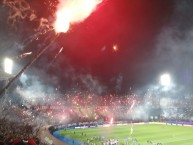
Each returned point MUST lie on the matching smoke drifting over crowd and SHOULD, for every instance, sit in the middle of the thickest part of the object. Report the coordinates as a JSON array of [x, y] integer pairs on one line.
[[81, 68]]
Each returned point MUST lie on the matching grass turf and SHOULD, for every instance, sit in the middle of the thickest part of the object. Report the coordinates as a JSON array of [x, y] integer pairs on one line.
[[165, 134]]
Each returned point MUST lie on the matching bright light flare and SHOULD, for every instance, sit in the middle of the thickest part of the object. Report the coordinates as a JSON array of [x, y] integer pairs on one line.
[[115, 48], [8, 65], [73, 11], [165, 80]]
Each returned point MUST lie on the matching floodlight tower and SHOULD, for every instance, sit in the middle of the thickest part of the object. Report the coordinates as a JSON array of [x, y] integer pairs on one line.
[[165, 80], [8, 65], [5, 76], [165, 83]]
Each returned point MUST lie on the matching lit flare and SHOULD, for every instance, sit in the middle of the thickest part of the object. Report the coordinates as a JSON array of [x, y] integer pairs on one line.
[[73, 11]]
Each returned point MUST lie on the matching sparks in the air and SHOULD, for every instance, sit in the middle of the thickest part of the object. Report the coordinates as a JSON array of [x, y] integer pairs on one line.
[[73, 11], [115, 48], [61, 50], [133, 104]]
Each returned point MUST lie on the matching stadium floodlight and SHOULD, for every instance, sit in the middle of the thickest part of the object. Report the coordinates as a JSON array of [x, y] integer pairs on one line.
[[8, 65], [165, 80]]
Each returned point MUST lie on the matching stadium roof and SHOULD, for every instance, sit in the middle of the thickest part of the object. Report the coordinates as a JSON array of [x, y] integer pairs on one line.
[[4, 76]]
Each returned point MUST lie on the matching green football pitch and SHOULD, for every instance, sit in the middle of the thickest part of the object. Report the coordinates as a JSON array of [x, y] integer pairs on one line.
[[145, 134]]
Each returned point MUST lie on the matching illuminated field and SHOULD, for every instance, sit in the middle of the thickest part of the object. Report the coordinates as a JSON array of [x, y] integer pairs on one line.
[[145, 134]]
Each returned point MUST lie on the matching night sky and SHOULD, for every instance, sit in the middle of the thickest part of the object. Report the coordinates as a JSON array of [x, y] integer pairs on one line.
[[151, 36]]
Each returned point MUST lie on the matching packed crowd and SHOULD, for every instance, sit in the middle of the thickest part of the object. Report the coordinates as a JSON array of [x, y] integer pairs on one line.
[[89, 107], [15, 133], [86, 108]]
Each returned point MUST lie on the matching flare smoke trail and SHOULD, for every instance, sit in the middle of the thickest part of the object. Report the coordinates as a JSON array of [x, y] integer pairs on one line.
[[19, 10]]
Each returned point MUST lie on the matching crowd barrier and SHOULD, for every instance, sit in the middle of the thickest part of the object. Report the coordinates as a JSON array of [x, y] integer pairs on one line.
[[179, 123], [56, 129], [65, 139]]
